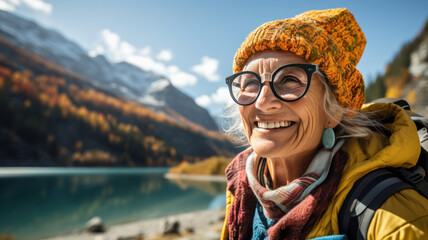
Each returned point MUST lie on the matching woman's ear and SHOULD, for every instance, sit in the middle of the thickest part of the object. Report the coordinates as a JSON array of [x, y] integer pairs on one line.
[[336, 120]]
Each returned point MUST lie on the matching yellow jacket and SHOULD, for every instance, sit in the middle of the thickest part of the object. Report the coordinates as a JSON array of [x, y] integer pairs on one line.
[[404, 215]]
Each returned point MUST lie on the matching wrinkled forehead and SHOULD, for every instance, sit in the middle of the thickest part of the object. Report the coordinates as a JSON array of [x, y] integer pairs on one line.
[[252, 64], [268, 61]]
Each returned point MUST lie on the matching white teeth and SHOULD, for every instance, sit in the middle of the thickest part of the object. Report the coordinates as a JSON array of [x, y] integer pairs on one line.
[[272, 125]]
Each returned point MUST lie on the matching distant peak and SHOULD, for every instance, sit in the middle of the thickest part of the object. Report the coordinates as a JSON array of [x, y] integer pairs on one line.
[[159, 85]]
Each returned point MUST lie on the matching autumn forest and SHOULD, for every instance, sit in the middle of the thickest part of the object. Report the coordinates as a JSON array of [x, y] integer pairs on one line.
[[51, 117]]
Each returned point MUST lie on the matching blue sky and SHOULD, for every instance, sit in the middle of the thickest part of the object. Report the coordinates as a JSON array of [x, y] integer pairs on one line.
[[193, 42]]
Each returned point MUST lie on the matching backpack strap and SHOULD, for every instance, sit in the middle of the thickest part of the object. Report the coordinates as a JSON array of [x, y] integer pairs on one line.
[[365, 197], [421, 182], [417, 175], [402, 103]]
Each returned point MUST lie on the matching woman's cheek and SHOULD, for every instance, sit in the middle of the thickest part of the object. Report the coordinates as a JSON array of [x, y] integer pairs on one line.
[[246, 123]]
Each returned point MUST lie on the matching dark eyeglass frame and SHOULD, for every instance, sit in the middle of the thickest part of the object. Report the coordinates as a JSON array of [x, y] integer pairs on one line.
[[309, 69]]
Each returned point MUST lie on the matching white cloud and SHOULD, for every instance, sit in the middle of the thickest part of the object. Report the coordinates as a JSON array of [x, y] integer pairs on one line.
[[145, 51], [203, 100], [118, 50], [221, 96], [15, 2], [181, 79], [39, 5], [36, 5], [97, 51], [127, 49], [207, 69], [7, 6], [111, 39], [164, 55], [147, 63]]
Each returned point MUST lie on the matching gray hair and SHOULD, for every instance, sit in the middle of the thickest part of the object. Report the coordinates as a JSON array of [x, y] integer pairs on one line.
[[351, 123]]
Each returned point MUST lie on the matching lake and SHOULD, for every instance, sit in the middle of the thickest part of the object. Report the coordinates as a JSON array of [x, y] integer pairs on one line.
[[36, 203]]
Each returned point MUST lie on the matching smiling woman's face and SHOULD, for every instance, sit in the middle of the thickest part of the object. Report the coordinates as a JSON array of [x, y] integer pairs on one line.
[[302, 121]]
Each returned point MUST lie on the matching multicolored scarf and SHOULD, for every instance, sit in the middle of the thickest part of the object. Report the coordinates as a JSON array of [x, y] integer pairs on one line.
[[298, 220], [278, 202]]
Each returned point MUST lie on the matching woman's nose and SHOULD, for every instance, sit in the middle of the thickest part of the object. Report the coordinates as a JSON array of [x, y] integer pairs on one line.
[[267, 99]]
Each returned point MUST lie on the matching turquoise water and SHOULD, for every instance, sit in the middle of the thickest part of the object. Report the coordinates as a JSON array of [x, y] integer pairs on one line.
[[36, 203]]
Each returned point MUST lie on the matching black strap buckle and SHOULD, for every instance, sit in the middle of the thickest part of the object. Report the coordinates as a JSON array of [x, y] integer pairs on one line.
[[412, 175]]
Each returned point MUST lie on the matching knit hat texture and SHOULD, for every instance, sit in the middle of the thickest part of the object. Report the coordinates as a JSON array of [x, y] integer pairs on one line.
[[330, 38]]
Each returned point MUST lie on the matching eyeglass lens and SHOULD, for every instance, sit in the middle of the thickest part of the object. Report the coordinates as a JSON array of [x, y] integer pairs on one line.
[[289, 83]]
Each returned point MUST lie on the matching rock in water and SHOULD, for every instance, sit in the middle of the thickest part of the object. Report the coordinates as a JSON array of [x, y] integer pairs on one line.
[[95, 225]]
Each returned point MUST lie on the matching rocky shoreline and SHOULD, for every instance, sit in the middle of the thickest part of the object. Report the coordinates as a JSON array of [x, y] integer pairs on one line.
[[191, 177], [206, 224]]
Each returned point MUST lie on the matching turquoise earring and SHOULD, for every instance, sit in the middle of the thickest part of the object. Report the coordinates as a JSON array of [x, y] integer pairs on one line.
[[328, 137]]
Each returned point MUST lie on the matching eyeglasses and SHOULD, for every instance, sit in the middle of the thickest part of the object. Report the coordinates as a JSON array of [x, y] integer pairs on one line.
[[289, 83]]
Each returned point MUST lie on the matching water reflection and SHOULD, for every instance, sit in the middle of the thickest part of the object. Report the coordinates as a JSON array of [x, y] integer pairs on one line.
[[213, 188], [41, 206]]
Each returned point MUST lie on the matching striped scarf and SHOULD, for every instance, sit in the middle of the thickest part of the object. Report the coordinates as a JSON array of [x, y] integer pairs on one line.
[[298, 222], [278, 202]]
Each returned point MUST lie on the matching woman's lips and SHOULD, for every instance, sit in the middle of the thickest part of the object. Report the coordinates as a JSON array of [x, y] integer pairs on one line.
[[273, 125]]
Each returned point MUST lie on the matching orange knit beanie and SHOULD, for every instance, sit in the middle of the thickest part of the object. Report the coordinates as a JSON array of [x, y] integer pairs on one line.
[[330, 38]]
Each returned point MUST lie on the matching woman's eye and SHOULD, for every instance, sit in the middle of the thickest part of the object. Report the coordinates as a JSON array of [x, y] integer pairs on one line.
[[290, 79], [236, 84], [287, 84], [250, 85]]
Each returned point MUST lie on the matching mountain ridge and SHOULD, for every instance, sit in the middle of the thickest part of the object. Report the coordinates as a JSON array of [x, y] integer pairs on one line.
[[53, 116], [122, 78], [50, 117], [406, 76]]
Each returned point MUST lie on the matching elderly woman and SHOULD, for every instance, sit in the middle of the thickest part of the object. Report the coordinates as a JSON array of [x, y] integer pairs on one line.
[[299, 97]]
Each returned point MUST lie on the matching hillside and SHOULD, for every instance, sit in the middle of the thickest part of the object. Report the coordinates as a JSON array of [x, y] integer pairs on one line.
[[51, 116], [406, 76], [122, 79]]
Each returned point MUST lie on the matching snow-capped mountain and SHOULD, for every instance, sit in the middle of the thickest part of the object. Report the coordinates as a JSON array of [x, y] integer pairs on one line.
[[121, 78]]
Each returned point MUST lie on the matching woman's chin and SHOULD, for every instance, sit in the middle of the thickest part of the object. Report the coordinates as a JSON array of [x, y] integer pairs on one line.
[[267, 148]]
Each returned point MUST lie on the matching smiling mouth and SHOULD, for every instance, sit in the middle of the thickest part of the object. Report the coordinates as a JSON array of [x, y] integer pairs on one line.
[[273, 125]]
